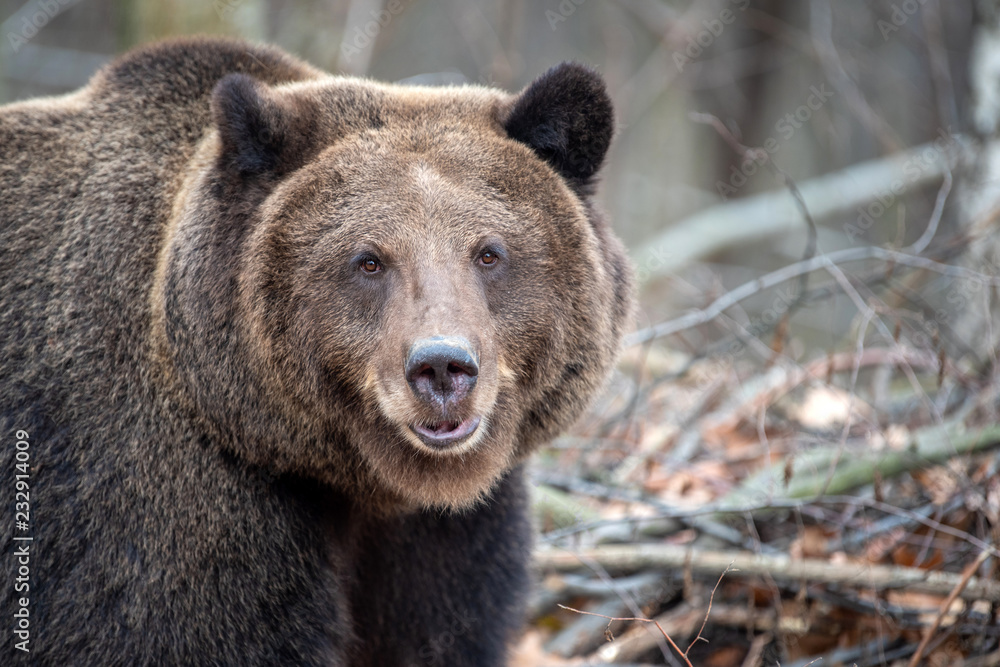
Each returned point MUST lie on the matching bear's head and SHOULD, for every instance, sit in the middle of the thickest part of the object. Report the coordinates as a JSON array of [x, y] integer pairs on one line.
[[398, 290]]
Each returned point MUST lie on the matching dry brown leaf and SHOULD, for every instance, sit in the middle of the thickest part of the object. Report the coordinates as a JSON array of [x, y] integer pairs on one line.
[[878, 548], [930, 605], [811, 543], [906, 555], [657, 436], [617, 509], [693, 487], [939, 482]]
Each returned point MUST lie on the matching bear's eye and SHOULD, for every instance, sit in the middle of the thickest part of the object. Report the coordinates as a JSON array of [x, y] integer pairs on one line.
[[370, 265], [488, 258]]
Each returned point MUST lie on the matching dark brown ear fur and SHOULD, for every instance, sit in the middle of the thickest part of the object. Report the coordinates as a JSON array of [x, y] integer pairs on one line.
[[566, 117], [257, 133]]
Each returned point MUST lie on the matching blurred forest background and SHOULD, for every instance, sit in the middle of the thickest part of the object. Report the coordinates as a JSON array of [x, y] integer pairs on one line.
[[797, 459]]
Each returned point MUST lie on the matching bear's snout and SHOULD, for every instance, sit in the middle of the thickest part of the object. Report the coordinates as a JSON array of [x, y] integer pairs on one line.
[[442, 371]]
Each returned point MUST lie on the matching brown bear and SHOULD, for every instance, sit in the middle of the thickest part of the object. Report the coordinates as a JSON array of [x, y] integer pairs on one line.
[[273, 347]]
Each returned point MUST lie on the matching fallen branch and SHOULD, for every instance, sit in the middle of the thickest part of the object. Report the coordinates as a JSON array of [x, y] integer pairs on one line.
[[776, 212], [813, 477], [636, 557]]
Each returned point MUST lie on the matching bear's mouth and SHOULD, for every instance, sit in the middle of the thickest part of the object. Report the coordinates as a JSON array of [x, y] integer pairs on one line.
[[443, 434]]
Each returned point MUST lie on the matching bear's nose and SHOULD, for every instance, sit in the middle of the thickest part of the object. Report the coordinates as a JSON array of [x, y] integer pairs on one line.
[[441, 369]]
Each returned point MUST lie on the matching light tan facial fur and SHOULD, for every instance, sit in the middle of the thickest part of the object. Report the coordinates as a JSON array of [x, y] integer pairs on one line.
[[470, 236]]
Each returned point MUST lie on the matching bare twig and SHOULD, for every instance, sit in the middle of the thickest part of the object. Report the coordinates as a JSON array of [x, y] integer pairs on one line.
[[755, 655], [892, 522], [955, 592], [612, 619], [684, 618], [684, 654], [821, 16], [762, 156], [748, 289], [921, 244], [708, 611]]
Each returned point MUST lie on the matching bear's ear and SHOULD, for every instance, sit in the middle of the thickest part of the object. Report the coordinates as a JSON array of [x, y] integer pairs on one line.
[[259, 135], [566, 117]]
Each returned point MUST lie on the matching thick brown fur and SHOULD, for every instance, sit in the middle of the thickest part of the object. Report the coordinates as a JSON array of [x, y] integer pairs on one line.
[[224, 463]]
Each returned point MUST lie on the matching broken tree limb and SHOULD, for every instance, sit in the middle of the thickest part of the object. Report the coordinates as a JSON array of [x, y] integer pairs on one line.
[[834, 470], [637, 557]]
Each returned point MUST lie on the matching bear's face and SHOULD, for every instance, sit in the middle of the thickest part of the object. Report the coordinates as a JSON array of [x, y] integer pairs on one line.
[[400, 289]]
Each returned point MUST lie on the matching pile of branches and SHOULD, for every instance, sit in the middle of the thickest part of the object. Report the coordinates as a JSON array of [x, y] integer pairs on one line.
[[737, 500]]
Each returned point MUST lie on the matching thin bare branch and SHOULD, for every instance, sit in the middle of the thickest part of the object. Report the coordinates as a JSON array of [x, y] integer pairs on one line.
[[612, 619], [748, 289], [955, 592]]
